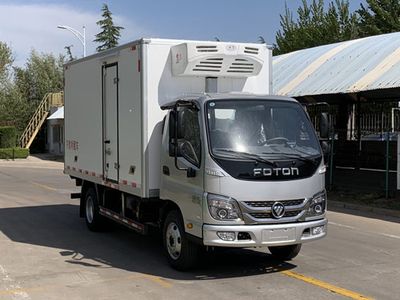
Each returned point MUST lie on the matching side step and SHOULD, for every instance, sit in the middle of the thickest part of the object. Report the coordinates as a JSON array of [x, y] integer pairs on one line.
[[138, 227]]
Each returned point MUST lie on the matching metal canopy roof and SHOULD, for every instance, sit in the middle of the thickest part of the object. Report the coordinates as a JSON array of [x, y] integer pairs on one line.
[[58, 114], [348, 67]]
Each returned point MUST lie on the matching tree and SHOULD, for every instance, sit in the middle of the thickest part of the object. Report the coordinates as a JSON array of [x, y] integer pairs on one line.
[[14, 109], [110, 34], [316, 26], [6, 60], [43, 73], [340, 23], [21, 88], [69, 53], [380, 16]]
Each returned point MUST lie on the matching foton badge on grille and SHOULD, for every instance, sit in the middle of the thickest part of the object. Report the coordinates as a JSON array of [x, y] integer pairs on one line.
[[278, 210]]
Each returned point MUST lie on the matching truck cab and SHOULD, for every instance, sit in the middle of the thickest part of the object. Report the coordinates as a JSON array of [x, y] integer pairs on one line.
[[244, 171]]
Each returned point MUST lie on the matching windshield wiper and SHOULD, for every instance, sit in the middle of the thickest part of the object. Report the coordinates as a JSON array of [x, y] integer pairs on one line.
[[247, 155], [294, 156]]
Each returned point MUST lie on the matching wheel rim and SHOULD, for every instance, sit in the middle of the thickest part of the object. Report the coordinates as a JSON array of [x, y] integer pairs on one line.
[[89, 209], [173, 240]]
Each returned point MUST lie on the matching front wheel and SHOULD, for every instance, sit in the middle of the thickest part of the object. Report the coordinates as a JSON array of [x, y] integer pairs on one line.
[[182, 254], [285, 252]]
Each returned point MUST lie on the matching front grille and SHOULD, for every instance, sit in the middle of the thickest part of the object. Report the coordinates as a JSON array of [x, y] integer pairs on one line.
[[293, 213], [261, 215], [261, 211], [268, 215], [270, 203]]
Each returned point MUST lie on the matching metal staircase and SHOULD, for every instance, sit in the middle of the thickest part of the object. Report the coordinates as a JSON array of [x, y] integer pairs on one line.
[[39, 117]]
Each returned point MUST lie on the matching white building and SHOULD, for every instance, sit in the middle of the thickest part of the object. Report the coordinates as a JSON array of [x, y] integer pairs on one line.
[[55, 131]]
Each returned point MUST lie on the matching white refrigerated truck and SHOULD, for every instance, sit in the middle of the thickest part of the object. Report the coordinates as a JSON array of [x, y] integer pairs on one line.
[[183, 135]]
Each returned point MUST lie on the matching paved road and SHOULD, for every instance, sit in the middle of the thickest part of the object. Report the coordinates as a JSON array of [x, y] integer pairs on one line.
[[46, 252]]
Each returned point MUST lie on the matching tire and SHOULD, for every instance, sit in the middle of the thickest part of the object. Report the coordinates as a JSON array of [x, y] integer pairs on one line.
[[285, 252], [94, 220], [181, 253]]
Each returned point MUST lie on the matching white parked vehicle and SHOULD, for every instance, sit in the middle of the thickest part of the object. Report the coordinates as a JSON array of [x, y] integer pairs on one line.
[[183, 136]]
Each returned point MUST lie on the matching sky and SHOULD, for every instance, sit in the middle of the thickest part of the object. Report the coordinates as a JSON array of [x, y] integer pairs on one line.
[[32, 24]]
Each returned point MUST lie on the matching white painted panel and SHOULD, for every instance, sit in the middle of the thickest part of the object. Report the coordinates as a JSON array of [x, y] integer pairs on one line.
[[83, 116], [130, 119]]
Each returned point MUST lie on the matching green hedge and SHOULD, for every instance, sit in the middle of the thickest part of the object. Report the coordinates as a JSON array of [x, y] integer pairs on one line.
[[8, 136], [10, 153]]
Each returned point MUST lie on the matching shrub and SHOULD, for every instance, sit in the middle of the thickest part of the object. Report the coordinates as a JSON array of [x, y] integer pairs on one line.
[[10, 153], [8, 135]]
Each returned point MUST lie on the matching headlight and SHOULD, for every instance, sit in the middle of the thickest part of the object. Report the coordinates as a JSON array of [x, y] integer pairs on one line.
[[317, 205], [223, 208]]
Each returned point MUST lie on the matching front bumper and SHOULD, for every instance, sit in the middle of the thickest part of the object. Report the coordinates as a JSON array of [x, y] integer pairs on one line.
[[265, 235]]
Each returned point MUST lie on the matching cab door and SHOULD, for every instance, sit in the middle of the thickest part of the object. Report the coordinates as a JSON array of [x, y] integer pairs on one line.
[[182, 178]]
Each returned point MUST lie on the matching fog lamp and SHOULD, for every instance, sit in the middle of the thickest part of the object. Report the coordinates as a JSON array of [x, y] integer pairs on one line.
[[226, 235], [317, 230]]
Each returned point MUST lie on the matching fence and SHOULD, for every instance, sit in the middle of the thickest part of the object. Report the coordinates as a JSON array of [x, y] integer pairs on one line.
[[363, 156]]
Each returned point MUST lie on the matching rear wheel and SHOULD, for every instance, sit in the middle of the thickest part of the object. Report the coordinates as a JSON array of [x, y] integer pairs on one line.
[[182, 254], [285, 252], [94, 220]]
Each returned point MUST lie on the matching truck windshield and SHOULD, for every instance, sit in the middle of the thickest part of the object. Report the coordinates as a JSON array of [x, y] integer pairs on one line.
[[260, 130]]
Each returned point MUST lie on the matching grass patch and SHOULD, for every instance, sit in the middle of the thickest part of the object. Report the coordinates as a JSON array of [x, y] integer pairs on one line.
[[10, 153]]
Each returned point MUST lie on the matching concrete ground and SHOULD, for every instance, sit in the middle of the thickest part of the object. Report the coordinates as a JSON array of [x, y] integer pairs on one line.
[[46, 252]]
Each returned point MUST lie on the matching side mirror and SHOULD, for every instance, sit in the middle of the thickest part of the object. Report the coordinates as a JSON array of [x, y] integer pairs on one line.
[[176, 133], [172, 126], [324, 126], [326, 148], [187, 151]]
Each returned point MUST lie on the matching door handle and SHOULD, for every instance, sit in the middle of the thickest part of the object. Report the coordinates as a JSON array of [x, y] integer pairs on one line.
[[165, 170], [107, 142]]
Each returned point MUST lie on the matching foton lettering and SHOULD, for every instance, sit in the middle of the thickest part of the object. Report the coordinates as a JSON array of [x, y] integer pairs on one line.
[[257, 172]]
